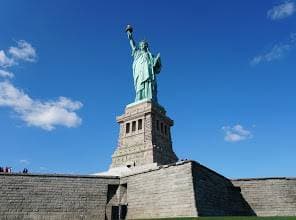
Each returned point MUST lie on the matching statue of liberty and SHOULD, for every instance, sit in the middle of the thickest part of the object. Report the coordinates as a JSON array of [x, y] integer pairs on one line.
[[145, 68]]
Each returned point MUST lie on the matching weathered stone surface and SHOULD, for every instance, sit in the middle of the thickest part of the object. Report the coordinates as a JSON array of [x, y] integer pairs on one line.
[[190, 189], [180, 189], [215, 195], [269, 196], [53, 196], [165, 191], [144, 136]]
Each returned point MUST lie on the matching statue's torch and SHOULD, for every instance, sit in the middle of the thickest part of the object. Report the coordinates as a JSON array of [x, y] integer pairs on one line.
[[129, 31]]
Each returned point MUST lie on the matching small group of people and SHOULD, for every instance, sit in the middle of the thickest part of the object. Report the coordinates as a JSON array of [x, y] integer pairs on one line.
[[9, 170], [5, 169]]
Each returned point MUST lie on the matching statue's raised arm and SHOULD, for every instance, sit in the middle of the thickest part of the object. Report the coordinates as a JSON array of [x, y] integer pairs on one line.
[[129, 31]]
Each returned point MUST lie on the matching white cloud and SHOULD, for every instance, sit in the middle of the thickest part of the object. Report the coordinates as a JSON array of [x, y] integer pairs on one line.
[[6, 74], [236, 133], [46, 115], [24, 162], [24, 51], [281, 11], [5, 61], [276, 52]]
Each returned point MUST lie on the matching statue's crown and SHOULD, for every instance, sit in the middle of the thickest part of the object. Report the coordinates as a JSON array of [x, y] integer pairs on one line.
[[144, 42]]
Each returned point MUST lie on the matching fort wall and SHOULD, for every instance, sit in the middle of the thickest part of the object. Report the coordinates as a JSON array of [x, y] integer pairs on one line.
[[269, 196], [181, 189], [161, 192], [27, 196], [215, 195], [191, 189]]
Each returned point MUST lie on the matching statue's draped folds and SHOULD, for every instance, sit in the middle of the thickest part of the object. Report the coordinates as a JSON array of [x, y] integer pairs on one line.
[[145, 66]]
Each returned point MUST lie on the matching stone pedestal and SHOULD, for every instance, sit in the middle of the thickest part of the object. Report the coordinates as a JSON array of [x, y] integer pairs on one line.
[[144, 137]]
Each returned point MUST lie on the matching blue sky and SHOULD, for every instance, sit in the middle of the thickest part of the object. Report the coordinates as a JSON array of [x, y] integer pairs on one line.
[[228, 81]]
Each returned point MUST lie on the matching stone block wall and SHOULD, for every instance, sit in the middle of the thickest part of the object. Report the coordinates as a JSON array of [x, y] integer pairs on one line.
[[182, 189], [162, 192], [28, 196], [215, 195], [269, 196]]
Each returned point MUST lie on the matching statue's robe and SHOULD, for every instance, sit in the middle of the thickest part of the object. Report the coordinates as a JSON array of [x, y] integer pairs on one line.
[[145, 66]]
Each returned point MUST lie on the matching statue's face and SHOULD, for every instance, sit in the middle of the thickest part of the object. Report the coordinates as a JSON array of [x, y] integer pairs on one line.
[[143, 46]]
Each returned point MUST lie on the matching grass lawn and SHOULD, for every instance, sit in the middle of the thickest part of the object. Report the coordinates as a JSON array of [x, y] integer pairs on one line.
[[229, 218]]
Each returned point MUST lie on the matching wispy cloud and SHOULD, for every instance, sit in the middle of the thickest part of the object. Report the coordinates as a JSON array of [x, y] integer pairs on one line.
[[43, 114], [236, 133], [6, 74], [23, 51], [276, 52], [5, 61], [281, 11], [46, 115]]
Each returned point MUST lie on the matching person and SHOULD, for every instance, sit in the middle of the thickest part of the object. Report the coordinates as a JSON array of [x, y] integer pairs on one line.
[[145, 67], [1, 170], [25, 170]]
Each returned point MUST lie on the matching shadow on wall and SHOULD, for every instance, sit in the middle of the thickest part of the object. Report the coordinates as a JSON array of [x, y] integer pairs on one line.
[[215, 195], [116, 207]]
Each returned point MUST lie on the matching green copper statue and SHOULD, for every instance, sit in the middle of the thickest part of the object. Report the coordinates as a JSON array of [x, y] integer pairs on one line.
[[145, 68]]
